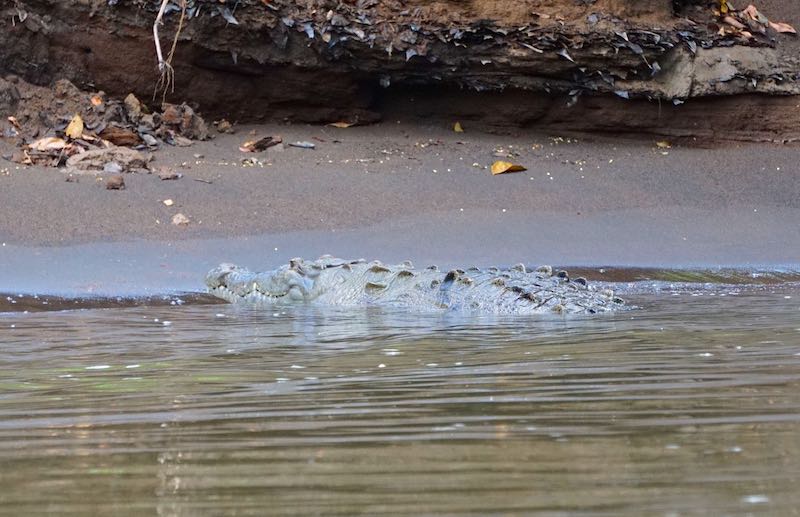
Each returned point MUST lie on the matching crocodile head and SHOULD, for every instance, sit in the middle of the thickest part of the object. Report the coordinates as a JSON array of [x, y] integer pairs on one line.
[[234, 283]]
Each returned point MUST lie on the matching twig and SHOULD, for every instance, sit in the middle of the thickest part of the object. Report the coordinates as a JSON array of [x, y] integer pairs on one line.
[[203, 181]]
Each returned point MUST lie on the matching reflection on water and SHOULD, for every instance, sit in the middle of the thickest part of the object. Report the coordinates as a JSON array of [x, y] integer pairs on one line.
[[688, 406]]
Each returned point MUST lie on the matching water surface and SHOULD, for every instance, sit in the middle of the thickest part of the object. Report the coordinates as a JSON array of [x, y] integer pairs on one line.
[[688, 406]]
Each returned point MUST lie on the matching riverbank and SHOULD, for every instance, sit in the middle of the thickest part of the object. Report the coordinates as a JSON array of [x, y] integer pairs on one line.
[[398, 191]]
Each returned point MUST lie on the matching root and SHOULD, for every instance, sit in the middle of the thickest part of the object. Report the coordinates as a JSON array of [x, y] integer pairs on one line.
[[166, 81]]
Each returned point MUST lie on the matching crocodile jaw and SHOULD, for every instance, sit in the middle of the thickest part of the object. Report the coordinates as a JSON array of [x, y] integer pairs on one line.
[[237, 284]]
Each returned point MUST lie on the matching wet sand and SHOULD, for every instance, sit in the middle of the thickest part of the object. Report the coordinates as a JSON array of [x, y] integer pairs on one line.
[[395, 191]]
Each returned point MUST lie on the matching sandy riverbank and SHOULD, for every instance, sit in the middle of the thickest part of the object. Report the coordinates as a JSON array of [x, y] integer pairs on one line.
[[396, 191]]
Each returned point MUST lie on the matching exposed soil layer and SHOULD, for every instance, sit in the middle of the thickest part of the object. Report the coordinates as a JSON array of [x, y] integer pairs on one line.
[[606, 65]]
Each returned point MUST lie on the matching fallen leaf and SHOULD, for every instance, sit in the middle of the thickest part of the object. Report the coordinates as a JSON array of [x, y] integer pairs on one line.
[[75, 128], [262, 144], [783, 27], [457, 127], [733, 22], [120, 136], [663, 144], [753, 12], [341, 124], [50, 143], [501, 167], [96, 100]]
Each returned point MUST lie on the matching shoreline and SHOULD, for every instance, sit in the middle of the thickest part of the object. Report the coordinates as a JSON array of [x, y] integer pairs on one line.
[[396, 191]]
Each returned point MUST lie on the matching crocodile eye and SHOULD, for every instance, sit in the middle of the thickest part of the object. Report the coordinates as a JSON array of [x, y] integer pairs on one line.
[[374, 286]]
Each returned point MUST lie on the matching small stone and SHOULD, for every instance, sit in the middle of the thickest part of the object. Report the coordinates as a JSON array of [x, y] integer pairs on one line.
[[165, 173], [181, 141], [133, 107], [116, 182], [150, 140], [168, 202], [180, 220], [112, 168], [223, 126], [171, 115]]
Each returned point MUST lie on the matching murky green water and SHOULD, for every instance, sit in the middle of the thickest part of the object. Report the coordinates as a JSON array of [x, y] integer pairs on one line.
[[690, 406]]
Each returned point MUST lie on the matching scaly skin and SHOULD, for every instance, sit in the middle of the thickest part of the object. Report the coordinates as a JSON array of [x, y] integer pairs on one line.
[[332, 281]]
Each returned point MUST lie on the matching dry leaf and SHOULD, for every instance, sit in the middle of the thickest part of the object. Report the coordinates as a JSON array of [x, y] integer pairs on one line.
[[50, 143], [341, 124], [663, 144], [501, 167], [262, 144], [96, 100], [457, 128], [783, 27], [75, 128], [733, 22], [753, 12]]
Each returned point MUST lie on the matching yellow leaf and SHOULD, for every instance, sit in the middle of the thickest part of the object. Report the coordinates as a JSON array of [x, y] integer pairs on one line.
[[457, 128], [500, 167], [723, 6], [75, 128], [341, 124], [663, 144]]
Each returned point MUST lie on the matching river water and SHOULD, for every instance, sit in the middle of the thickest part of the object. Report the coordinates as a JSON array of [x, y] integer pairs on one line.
[[689, 405]]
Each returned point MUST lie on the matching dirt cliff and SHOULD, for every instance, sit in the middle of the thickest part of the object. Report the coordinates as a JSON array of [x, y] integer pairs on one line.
[[657, 66]]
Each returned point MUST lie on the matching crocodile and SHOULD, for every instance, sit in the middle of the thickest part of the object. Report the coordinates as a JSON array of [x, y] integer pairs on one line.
[[332, 281]]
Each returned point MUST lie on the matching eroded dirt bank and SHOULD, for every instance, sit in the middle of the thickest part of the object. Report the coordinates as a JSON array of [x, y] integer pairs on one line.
[[609, 65]]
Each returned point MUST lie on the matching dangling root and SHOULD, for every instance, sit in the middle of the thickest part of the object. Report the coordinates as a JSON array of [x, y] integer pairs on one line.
[[166, 82]]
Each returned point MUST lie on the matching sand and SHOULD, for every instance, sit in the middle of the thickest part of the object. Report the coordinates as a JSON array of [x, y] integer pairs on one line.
[[399, 190]]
